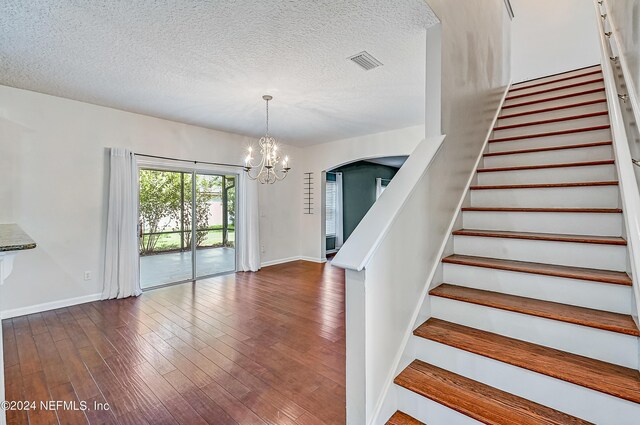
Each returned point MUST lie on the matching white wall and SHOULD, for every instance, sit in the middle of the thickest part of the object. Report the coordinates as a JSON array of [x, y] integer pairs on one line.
[[321, 157], [552, 36], [626, 21], [53, 182]]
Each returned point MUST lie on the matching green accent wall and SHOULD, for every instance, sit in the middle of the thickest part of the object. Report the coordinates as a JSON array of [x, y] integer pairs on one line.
[[359, 192]]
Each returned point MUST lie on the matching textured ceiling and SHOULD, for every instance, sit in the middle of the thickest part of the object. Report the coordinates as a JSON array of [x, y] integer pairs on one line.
[[209, 62]]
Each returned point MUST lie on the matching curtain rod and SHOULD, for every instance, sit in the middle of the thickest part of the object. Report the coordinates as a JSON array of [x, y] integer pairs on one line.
[[188, 160]]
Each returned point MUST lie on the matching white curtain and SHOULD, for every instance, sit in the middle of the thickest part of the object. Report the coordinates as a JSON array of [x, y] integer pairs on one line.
[[339, 212], [248, 227], [121, 270]]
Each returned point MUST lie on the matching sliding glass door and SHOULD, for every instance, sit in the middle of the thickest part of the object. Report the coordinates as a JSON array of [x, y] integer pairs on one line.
[[215, 235], [176, 244]]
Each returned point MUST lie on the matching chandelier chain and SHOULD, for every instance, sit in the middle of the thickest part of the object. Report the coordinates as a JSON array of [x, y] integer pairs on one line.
[[267, 118]]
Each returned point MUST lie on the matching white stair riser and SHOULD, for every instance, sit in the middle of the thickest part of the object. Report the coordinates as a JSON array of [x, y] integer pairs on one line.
[[557, 93], [551, 141], [557, 84], [592, 173], [596, 153], [560, 113], [551, 78], [582, 293], [553, 126], [552, 103], [428, 411], [596, 256], [612, 347], [555, 197], [595, 224], [576, 400]]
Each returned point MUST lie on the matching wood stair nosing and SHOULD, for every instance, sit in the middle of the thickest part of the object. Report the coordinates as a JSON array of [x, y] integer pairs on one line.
[[586, 74], [608, 378], [401, 418], [597, 319], [551, 148], [551, 121], [551, 237], [553, 108], [546, 210], [567, 272], [551, 133], [543, 166], [568, 86], [544, 185], [479, 401], [551, 99]]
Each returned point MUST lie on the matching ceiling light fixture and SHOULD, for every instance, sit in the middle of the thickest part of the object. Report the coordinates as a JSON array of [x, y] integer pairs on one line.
[[266, 173]]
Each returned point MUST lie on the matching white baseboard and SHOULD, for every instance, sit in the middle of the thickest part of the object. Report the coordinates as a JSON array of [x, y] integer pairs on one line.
[[290, 259], [279, 261], [314, 260], [38, 308]]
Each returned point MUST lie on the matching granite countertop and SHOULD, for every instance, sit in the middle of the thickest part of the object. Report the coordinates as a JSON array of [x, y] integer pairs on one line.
[[13, 238]]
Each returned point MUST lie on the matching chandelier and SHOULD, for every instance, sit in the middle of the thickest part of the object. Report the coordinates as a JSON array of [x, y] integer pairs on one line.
[[266, 171]]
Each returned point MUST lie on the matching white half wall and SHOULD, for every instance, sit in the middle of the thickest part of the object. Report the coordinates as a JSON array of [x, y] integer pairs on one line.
[[54, 177], [552, 36]]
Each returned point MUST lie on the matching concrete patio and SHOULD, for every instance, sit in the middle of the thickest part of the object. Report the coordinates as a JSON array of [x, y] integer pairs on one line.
[[172, 267]]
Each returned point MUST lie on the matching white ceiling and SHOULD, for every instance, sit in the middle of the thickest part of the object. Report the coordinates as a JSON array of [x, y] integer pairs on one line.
[[209, 62]]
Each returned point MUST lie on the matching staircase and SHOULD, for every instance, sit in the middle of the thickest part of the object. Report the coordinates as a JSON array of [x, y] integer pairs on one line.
[[532, 321]]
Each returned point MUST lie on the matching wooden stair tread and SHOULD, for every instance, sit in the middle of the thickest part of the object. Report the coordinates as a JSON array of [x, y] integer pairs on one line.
[[551, 121], [586, 74], [618, 381], [554, 237], [551, 99], [547, 210], [544, 185], [553, 108], [551, 148], [551, 133], [400, 418], [569, 272], [543, 166], [598, 319], [479, 401], [543, 91]]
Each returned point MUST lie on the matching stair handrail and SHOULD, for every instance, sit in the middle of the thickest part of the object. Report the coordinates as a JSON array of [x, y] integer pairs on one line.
[[630, 193]]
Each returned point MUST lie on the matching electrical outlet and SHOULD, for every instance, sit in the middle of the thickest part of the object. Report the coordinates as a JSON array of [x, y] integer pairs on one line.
[[262, 250], [87, 275]]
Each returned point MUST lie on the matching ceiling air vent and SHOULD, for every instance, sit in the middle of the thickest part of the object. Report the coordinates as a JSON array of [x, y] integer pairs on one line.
[[365, 61]]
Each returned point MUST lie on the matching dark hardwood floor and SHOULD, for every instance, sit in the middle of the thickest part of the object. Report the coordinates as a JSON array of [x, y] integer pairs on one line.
[[263, 348]]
